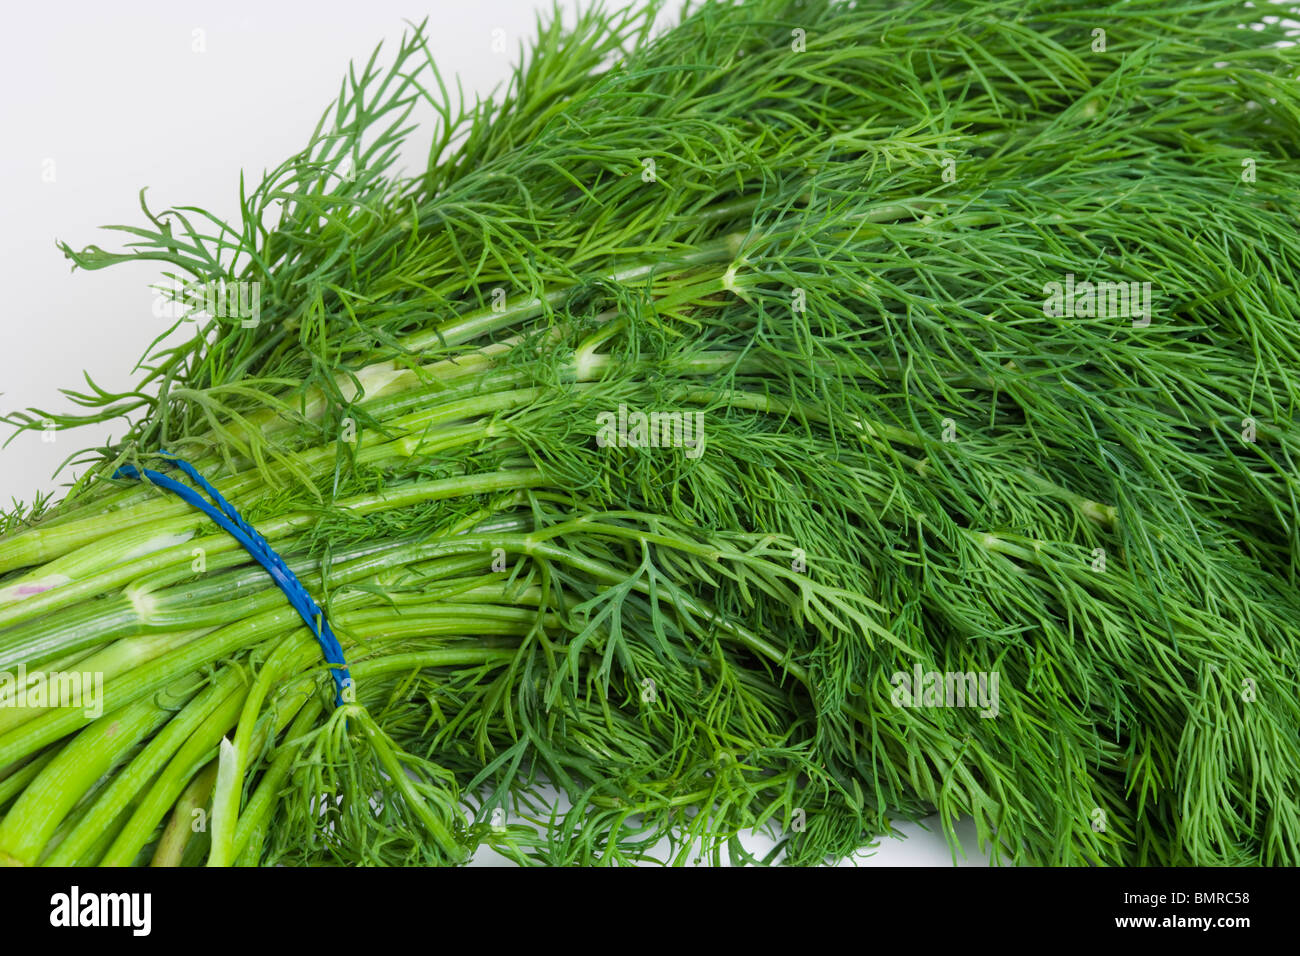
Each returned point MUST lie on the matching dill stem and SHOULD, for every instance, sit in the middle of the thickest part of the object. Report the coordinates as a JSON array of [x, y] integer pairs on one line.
[[116, 658], [297, 650], [154, 676], [194, 753], [472, 325], [397, 773], [42, 806], [613, 576], [104, 567], [250, 829], [134, 526], [251, 820], [180, 825], [438, 657], [79, 627], [109, 805], [41, 544], [18, 775]]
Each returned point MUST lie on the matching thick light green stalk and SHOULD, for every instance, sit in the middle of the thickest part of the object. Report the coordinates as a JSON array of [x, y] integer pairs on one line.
[[250, 831], [126, 785], [122, 569], [180, 827], [32, 820], [197, 751]]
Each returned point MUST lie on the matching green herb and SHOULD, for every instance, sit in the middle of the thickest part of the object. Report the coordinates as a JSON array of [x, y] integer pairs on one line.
[[833, 231]]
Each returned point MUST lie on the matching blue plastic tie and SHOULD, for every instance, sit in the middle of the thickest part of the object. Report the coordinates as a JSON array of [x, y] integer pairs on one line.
[[225, 515]]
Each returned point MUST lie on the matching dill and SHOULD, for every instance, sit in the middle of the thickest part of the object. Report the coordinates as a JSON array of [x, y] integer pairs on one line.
[[828, 229]]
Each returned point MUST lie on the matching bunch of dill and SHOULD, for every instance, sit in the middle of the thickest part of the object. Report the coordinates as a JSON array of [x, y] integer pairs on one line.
[[865, 244]]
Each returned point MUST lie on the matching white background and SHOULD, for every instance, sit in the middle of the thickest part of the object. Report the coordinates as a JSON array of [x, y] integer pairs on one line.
[[107, 98]]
